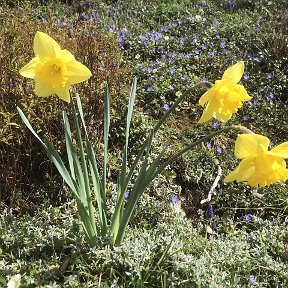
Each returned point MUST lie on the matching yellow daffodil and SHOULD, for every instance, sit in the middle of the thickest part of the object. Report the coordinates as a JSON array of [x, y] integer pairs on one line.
[[259, 166], [53, 69], [226, 96]]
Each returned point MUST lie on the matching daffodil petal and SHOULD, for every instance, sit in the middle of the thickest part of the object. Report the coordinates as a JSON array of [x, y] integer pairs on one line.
[[29, 70], [64, 55], [242, 172], [205, 97], [209, 111], [44, 45], [63, 93], [281, 150], [42, 90], [247, 145], [234, 73], [77, 72]]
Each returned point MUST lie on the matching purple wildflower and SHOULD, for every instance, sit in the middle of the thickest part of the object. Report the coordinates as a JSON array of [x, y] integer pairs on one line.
[[197, 52], [126, 194], [166, 106], [215, 123], [246, 76], [150, 89], [203, 47], [270, 75], [84, 16], [209, 145], [219, 149], [252, 280], [214, 226], [248, 218], [255, 102], [246, 117], [175, 199], [212, 53], [231, 4], [171, 87], [222, 44], [270, 97], [164, 29], [172, 71], [210, 211], [142, 38]]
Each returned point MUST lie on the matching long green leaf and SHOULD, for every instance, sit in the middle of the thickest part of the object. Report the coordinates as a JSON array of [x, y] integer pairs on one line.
[[27, 123], [60, 165], [134, 195], [106, 135], [69, 146]]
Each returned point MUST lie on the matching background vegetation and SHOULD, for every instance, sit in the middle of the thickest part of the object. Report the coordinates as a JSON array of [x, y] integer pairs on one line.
[[240, 238]]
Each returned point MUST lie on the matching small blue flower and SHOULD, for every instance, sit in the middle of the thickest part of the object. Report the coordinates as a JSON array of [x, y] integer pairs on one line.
[[150, 89], [215, 123], [248, 218], [246, 76], [171, 87], [252, 280], [175, 199], [219, 149], [255, 102], [209, 145], [270, 97], [172, 71], [231, 4], [210, 211], [246, 117], [166, 106], [222, 43], [270, 75], [84, 16], [126, 194]]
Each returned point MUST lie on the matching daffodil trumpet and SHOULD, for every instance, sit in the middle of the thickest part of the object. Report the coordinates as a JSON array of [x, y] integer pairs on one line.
[[226, 96], [259, 166]]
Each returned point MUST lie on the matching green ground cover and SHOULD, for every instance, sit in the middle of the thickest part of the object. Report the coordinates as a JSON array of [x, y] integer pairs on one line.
[[239, 238]]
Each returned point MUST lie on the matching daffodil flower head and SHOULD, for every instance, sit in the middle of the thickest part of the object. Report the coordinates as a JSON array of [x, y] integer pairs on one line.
[[260, 166], [53, 69], [226, 96]]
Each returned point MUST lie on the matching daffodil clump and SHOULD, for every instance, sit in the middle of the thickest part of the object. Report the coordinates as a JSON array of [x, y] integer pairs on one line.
[[259, 166], [226, 96], [53, 69]]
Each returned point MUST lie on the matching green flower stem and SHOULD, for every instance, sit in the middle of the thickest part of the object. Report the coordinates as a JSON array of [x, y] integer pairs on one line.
[[186, 149]]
